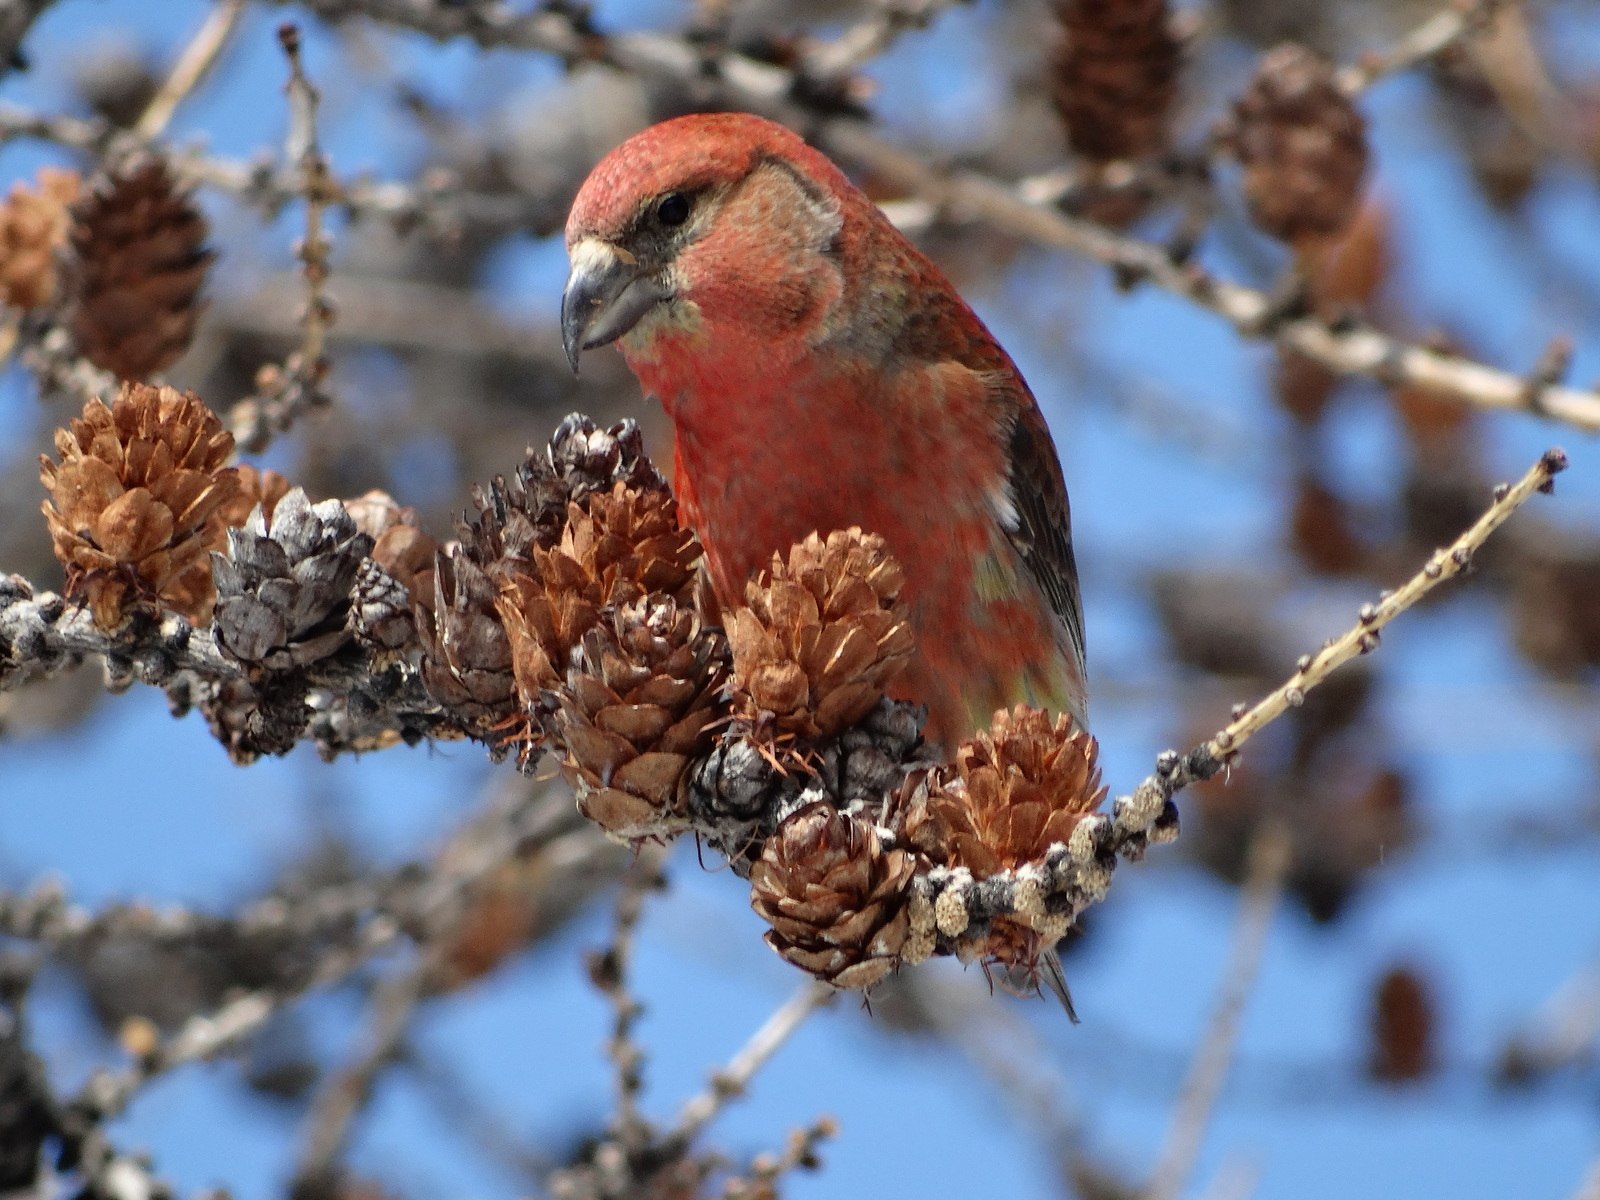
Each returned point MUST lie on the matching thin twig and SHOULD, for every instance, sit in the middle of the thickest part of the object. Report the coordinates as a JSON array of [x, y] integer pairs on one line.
[[45, 914], [608, 971], [1362, 638], [869, 37], [304, 150], [1426, 42], [732, 1080], [207, 1035], [766, 1170], [301, 384], [1269, 861], [193, 65], [512, 822], [1141, 811], [347, 1092]]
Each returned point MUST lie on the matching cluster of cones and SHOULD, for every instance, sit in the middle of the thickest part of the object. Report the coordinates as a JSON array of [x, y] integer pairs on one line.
[[120, 260], [1295, 132], [570, 613]]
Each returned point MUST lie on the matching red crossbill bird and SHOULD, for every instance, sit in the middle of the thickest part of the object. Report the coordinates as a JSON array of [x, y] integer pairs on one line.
[[820, 372]]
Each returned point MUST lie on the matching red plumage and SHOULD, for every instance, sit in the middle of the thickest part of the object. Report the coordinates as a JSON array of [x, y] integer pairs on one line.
[[821, 372]]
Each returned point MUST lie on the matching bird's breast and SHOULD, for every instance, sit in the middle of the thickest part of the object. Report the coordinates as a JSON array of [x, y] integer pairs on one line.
[[760, 468]]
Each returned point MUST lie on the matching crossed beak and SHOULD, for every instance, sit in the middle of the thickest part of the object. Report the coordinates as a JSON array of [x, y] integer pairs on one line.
[[607, 294]]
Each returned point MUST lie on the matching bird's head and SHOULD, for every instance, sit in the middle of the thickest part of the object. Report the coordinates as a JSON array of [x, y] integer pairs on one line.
[[709, 235]]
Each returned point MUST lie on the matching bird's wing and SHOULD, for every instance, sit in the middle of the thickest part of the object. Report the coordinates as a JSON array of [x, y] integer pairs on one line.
[[1042, 528], [932, 324]]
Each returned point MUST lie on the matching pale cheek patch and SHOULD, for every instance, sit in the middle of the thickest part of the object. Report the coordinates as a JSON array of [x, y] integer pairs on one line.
[[591, 256], [678, 320]]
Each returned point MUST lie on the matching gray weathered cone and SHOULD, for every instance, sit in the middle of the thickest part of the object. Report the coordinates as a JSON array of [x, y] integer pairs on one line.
[[530, 509], [283, 589], [380, 609], [466, 659], [585, 458], [739, 782]]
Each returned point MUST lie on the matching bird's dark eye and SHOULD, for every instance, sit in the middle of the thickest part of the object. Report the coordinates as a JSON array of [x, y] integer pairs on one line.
[[672, 209]]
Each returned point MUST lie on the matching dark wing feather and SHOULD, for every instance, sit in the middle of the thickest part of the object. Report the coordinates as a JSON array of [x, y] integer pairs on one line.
[[1043, 533]]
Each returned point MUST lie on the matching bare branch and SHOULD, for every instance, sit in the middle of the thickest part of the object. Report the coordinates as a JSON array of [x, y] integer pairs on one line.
[[1363, 637], [301, 383], [1270, 858], [1353, 348], [831, 63], [732, 1080], [608, 971], [434, 204], [1439, 33], [947, 904], [1078, 874], [193, 65], [346, 1092]]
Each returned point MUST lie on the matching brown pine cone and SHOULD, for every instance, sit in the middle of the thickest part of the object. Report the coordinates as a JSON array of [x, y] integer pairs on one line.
[[1114, 76], [136, 500], [822, 639], [33, 227], [531, 508], [1302, 144], [583, 458], [584, 523], [466, 659], [640, 696], [256, 486], [139, 260], [1404, 1028], [617, 546], [836, 900], [1014, 791]]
